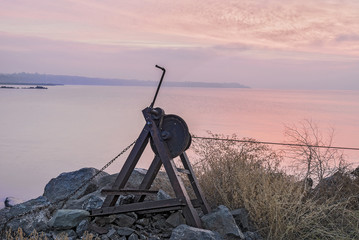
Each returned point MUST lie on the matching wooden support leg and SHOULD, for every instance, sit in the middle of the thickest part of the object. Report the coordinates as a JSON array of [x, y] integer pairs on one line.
[[128, 167], [188, 210], [150, 177], [195, 185]]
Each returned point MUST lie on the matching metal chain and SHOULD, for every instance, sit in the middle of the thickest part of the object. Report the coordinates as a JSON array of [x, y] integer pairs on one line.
[[63, 200]]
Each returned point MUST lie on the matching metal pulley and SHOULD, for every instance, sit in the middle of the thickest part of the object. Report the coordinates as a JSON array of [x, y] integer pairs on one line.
[[174, 131]]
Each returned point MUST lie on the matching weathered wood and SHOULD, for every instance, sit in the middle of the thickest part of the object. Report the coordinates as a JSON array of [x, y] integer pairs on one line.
[[129, 191], [182, 200], [140, 206], [195, 185], [179, 188], [150, 177], [129, 166]]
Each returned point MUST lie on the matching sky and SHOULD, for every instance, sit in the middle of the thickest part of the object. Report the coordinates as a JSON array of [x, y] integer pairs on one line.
[[281, 44]]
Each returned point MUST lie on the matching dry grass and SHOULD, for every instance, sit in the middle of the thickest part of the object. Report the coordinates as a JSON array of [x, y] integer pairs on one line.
[[20, 235], [248, 175]]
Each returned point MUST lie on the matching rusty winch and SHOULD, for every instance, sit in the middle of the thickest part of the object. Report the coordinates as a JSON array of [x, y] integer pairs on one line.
[[169, 138]]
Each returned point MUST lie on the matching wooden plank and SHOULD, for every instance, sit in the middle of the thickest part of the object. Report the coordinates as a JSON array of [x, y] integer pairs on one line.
[[188, 210], [195, 185], [140, 206], [129, 191], [129, 165], [149, 177]]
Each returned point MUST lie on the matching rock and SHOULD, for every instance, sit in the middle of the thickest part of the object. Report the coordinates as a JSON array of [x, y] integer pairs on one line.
[[103, 221], [93, 202], [125, 231], [12, 201], [38, 214], [241, 217], [339, 185], [133, 237], [162, 195], [123, 220], [82, 227], [190, 233], [93, 227], [113, 235], [252, 236], [161, 181], [222, 221], [176, 219], [143, 221], [67, 183], [160, 224], [67, 218]]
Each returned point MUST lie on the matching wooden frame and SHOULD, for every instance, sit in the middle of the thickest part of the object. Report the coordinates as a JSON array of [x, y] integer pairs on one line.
[[182, 200]]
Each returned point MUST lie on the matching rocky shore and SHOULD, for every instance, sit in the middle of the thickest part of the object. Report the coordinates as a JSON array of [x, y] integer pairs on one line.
[[74, 221]]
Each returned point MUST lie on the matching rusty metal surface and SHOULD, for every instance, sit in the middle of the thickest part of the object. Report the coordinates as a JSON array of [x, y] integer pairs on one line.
[[174, 131]]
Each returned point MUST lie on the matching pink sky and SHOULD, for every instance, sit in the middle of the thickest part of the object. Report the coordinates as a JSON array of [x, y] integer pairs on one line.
[[263, 43]]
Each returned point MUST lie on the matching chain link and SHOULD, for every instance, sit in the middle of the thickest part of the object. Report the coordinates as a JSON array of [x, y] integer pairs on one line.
[[63, 200]]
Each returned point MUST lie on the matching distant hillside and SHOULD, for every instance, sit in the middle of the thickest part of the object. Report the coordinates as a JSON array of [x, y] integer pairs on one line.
[[47, 79]]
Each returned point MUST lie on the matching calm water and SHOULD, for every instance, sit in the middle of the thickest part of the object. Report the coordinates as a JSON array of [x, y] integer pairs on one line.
[[46, 132]]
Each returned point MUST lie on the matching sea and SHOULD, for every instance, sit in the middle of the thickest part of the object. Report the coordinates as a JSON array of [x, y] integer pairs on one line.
[[44, 132]]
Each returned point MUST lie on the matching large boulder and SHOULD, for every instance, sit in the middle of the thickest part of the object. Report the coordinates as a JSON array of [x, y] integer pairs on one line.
[[340, 185], [36, 213], [190, 233], [66, 183], [161, 181], [67, 218], [222, 221]]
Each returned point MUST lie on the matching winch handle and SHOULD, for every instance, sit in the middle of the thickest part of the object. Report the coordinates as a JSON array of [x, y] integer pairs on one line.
[[159, 85]]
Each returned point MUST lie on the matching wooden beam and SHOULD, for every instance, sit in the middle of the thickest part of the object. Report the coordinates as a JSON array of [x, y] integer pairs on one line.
[[195, 185], [129, 191], [178, 186], [160, 205], [129, 165]]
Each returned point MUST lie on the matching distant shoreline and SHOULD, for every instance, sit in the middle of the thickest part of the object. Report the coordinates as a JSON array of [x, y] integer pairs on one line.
[[60, 80]]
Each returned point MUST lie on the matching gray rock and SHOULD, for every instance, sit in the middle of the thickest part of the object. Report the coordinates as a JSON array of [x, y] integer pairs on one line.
[[103, 221], [222, 221], [241, 217], [190, 233], [161, 181], [12, 201], [82, 227], [123, 220], [133, 236], [93, 202], [68, 182], [113, 235], [67, 218], [176, 219], [88, 202], [38, 214], [162, 195], [125, 231], [143, 221], [252, 236], [160, 224]]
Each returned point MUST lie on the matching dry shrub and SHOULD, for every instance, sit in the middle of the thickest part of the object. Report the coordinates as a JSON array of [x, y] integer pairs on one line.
[[248, 175], [20, 235]]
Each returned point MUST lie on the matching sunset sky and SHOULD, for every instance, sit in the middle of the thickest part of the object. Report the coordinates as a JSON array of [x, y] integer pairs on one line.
[[286, 44]]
